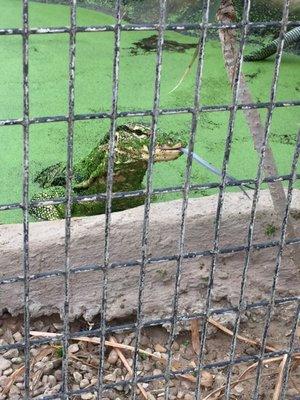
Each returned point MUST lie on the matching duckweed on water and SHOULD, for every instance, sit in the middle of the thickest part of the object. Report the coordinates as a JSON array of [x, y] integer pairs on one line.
[[48, 81]]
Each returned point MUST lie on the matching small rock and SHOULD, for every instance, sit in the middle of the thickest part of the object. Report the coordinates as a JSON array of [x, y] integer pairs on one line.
[[157, 372], [38, 365], [11, 353], [58, 326], [48, 367], [144, 341], [4, 363], [189, 353], [220, 380], [111, 377], [147, 366], [85, 368], [56, 388], [94, 381], [251, 351], [77, 377], [14, 390], [17, 360], [84, 383], [18, 337], [87, 396], [188, 396], [8, 336], [185, 385], [20, 385], [159, 348], [175, 346], [58, 374], [180, 395], [128, 338], [73, 348], [238, 389], [33, 352], [52, 380], [4, 381], [113, 357], [173, 391]]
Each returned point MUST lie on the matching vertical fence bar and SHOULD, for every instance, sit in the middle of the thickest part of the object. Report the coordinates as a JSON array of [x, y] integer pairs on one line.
[[232, 117], [186, 188], [68, 210], [144, 249], [109, 189], [259, 178], [25, 203]]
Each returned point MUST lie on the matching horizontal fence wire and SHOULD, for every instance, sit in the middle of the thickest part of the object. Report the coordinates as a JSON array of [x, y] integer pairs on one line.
[[144, 27], [202, 28]]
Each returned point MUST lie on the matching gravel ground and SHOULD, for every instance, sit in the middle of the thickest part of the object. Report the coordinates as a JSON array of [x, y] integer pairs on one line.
[[46, 361]]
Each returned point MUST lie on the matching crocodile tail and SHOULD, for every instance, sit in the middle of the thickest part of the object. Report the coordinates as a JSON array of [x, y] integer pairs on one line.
[[291, 37]]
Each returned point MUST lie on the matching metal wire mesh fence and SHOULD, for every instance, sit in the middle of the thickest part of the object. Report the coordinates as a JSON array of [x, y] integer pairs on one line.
[[203, 27]]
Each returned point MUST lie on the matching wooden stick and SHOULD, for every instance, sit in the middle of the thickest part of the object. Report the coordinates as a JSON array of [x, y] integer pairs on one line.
[[278, 386], [240, 337]]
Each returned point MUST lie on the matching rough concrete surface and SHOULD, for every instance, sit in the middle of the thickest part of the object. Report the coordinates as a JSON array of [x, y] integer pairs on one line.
[[47, 253]]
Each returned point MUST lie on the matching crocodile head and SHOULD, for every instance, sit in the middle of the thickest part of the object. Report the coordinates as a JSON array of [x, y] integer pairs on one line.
[[133, 141]]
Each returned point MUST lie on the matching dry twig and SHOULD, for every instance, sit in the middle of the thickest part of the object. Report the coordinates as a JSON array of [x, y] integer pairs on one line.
[[240, 337], [195, 335], [278, 386], [127, 366]]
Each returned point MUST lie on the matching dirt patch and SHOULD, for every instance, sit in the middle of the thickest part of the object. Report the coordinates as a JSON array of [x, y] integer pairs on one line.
[[46, 360], [149, 44]]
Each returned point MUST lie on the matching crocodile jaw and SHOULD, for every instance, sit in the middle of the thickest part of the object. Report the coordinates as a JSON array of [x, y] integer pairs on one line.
[[163, 153], [167, 153]]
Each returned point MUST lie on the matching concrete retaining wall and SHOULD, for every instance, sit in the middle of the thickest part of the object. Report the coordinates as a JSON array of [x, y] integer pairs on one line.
[[87, 243]]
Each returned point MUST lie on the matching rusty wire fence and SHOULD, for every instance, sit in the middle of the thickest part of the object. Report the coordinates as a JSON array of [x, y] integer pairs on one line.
[[203, 28]]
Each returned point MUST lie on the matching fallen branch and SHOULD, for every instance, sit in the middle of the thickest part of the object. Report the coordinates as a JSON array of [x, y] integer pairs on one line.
[[240, 337]]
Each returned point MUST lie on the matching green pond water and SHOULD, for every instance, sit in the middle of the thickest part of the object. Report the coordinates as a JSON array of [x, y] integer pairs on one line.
[[48, 80]]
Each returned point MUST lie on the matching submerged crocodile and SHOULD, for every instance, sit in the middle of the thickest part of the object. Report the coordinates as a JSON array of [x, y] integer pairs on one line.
[[291, 37], [150, 44], [89, 174]]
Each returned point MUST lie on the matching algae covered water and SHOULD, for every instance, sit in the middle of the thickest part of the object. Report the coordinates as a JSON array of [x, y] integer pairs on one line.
[[48, 81]]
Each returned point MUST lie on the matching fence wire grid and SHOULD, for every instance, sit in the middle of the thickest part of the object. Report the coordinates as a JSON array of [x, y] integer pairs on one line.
[[203, 27]]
